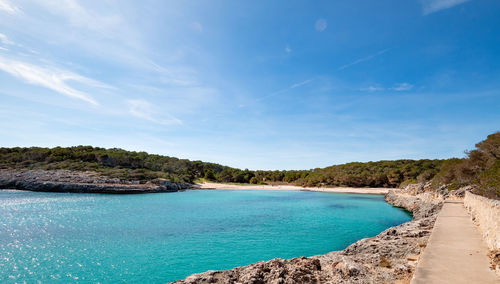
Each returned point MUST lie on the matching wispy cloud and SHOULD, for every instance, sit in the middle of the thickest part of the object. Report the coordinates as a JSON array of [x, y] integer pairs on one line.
[[51, 78], [108, 35], [5, 40], [79, 16], [145, 110], [357, 61], [402, 87], [372, 89], [6, 6], [301, 83], [431, 6], [178, 76], [291, 87], [288, 50]]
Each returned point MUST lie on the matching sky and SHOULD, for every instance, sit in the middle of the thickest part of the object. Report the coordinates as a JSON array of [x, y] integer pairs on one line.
[[252, 84]]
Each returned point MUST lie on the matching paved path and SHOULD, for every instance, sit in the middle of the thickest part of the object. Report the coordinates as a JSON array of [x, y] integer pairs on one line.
[[455, 252]]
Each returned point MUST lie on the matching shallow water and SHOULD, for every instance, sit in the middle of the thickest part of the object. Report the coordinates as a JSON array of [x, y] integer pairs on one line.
[[64, 237]]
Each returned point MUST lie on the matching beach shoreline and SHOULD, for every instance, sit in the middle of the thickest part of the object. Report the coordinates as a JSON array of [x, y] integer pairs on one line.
[[358, 190]]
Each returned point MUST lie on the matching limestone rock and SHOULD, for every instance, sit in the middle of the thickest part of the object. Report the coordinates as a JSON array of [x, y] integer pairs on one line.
[[81, 182]]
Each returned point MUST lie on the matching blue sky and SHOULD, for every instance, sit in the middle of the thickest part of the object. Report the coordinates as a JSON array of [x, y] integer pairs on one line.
[[252, 84]]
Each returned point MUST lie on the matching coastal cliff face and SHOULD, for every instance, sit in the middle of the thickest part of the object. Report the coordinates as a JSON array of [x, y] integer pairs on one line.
[[81, 182], [486, 214], [390, 257]]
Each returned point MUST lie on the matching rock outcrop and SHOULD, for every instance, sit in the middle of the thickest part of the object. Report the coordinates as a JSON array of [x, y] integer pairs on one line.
[[81, 182], [390, 257]]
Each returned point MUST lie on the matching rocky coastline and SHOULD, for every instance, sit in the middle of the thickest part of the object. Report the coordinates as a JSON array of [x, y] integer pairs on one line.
[[81, 182], [389, 257]]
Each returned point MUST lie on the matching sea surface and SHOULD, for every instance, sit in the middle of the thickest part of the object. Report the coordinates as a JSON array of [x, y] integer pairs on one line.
[[65, 237]]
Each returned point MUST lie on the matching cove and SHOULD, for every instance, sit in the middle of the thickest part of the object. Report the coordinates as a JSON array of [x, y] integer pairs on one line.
[[164, 237]]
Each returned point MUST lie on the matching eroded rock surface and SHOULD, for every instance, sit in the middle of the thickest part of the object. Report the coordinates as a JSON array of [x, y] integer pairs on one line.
[[81, 182], [390, 257]]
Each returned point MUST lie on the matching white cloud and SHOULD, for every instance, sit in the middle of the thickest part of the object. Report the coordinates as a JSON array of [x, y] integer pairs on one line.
[[79, 16], [402, 87], [141, 109], [5, 40], [301, 83], [145, 110], [320, 25], [372, 89], [102, 29], [431, 6], [50, 78], [288, 50], [107, 32], [397, 87], [293, 86], [357, 61], [178, 76], [7, 7]]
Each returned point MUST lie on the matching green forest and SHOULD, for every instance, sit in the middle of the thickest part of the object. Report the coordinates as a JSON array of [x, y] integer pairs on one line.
[[481, 166]]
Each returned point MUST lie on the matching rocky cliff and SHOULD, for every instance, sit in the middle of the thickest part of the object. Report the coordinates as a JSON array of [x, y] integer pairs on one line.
[[390, 257], [81, 182]]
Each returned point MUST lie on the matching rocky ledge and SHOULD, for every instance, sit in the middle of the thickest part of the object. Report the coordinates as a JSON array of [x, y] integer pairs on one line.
[[81, 182], [390, 257]]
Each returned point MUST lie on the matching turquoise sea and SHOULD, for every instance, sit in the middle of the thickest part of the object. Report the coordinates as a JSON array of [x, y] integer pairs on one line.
[[64, 237]]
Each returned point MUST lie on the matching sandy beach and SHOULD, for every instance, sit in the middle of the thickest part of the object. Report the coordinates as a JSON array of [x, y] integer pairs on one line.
[[363, 190]]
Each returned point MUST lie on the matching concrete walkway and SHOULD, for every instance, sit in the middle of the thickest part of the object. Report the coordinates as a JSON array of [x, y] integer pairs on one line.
[[455, 252]]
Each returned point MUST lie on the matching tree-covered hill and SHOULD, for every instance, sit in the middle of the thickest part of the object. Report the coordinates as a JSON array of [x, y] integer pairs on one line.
[[480, 167], [114, 162], [130, 165]]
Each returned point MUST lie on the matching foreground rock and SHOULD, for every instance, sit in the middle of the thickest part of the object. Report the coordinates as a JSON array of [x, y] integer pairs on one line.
[[390, 257], [81, 182]]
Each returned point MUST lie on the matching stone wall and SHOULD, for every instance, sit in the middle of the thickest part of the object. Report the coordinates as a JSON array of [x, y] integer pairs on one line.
[[486, 213]]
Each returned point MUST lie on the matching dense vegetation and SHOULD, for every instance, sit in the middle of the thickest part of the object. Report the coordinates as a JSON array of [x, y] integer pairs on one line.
[[481, 167], [129, 165], [115, 162], [371, 174]]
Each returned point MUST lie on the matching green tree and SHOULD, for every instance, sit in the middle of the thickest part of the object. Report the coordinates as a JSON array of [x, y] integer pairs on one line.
[[209, 174]]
